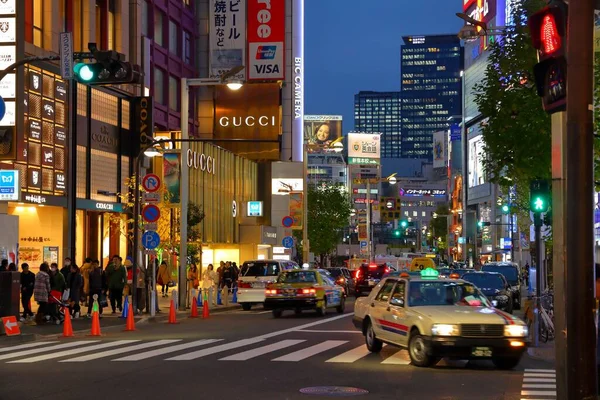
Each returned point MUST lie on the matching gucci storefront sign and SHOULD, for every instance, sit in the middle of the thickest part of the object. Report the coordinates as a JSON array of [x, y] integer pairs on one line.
[[200, 161], [250, 120]]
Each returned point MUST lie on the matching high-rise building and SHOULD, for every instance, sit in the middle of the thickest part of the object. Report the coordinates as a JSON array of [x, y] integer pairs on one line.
[[431, 90], [380, 112]]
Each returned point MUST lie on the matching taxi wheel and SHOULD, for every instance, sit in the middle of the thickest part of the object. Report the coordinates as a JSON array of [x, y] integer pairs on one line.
[[417, 349], [298, 311], [506, 362], [322, 310], [246, 306], [342, 307], [374, 345], [277, 313]]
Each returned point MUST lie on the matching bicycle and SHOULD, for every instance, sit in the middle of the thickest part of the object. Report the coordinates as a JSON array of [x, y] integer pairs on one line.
[[546, 317]]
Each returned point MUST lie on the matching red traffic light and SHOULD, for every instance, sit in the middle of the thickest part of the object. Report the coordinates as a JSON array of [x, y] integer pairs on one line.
[[551, 40], [548, 29]]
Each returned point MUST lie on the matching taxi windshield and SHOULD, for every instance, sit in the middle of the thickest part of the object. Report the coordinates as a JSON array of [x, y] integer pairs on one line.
[[445, 294], [297, 277]]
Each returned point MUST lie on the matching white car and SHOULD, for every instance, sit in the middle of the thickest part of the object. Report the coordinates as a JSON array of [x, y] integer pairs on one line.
[[254, 277]]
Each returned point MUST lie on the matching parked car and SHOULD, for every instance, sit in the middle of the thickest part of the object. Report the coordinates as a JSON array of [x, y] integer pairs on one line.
[[494, 286], [255, 275], [512, 273], [342, 277], [367, 276]]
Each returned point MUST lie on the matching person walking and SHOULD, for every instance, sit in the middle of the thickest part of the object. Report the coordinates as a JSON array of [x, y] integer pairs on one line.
[[165, 274], [74, 284], [193, 281], [12, 267], [129, 268], [116, 275], [27, 284], [85, 274], [41, 292], [57, 288], [66, 269], [97, 281], [140, 288], [220, 271], [4, 266], [209, 277]]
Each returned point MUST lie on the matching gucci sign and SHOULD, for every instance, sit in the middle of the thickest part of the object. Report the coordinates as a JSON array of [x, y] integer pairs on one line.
[[262, 120], [200, 161]]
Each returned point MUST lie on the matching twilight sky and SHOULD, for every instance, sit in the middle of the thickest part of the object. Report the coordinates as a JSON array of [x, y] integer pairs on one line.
[[354, 45]]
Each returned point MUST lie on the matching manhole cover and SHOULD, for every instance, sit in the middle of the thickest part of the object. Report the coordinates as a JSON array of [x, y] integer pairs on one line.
[[333, 391]]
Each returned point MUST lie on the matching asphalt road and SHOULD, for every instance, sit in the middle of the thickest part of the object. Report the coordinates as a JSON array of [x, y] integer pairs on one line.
[[246, 355]]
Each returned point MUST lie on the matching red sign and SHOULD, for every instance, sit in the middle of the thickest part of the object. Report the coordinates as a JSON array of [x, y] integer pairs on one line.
[[11, 326], [151, 183], [150, 213], [467, 4], [266, 38]]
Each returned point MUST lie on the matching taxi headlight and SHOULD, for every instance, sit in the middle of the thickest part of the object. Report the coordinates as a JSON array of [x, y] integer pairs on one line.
[[516, 330], [445, 330]]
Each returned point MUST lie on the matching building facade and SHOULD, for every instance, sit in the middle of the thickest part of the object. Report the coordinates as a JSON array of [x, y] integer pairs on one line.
[[380, 112], [431, 90]]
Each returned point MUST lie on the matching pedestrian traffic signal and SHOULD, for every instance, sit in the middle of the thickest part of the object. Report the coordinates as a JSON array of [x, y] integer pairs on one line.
[[404, 223], [548, 29], [539, 196], [109, 68], [505, 208]]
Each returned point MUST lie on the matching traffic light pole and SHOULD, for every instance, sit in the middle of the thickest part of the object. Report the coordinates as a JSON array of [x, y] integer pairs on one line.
[[537, 222]]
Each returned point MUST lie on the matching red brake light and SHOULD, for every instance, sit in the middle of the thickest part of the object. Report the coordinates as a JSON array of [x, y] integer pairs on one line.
[[372, 265], [307, 291], [357, 275], [551, 41], [271, 292], [387, 270], [244, 285]]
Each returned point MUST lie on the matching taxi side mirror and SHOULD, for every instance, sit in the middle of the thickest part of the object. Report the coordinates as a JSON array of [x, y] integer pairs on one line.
[[397, 302], [495, 303]]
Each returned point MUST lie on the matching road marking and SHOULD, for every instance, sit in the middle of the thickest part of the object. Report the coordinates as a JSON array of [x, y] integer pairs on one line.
[[217, 349], [166, 350], [311, 351], [536, 375], [351, 355], [326, 331], [540, 370], [113, 352], [246, 355], [538, 386], [72, 351], [25, 346], [398, 358], [540, 380], [537, 393], [56, 347], [300, 327]]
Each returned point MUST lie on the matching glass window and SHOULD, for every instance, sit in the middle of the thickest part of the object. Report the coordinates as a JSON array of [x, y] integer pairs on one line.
[[38, 18], [386, 289], [187, 47], [437, 293], [423, 213], [398, 294], [173, 38], [158, 28], [174, 93], [298, 277], [145, 18], [260, 269], [415, 213], [159, 86]]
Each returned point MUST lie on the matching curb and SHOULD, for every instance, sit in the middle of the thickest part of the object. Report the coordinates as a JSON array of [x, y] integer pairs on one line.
[[533, 354], [23, 338], [165, 316]]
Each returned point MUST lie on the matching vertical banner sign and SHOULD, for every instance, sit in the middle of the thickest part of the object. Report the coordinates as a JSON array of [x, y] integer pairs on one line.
[[66, 55], [266, 38], [296, 208], [142, 122], [298, 68], [362, 232], [227, 37], [8, 56], [172, 178]]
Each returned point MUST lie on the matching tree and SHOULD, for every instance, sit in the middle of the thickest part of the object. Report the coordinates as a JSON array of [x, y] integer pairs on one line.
[[328, 214], [438, 227]]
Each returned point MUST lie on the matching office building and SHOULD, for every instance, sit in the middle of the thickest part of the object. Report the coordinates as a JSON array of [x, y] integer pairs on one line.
[[380, 112]]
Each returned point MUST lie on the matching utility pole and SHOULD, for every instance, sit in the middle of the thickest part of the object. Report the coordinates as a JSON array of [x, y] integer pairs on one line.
[[580, 327]]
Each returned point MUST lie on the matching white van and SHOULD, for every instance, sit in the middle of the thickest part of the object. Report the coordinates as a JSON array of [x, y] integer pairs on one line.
[[254, 277]]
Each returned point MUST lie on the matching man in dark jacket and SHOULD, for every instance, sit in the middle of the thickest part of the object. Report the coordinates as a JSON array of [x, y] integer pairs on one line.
[[27, 283], [66, 269], [116, 275], [4, 266], [97, 287]]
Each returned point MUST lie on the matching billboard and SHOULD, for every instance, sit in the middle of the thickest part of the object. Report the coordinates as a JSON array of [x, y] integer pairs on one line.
[[266, 38], [322, 129], [476, 157], [227, 37], [364, 148], [440, 150]]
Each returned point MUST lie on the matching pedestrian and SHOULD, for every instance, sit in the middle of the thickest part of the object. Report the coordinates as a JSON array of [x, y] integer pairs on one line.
[[116, 275], [27, 284], [66, 269], [12, 267], [4, 266], [85, 274], [57, 288], [41, 292], [165, 275], [129, 267], [74, 285], [220, 271], [209, 278], [193, 281], [97, 282]]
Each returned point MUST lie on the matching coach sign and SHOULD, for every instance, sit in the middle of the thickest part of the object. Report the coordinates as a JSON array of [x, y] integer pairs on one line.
[[142, 122]]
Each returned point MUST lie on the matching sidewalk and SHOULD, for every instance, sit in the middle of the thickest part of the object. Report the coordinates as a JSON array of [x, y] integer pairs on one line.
[[544, 352]]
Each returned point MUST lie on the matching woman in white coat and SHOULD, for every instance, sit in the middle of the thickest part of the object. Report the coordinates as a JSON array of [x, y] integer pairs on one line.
[[209, 282]]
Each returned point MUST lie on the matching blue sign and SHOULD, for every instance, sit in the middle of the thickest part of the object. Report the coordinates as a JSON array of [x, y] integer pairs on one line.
[[287, 221], [455, 132], [150, 213], [255, 208], [363, 244], [288, 242], [9, 185], [150, 240], [2, 108]]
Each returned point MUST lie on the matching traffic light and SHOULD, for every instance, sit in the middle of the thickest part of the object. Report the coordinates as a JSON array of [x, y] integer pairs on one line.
[[109, 68], [505, 208], [397, 232], [539, 196], [403, 223], [548, 29], [481, 224]]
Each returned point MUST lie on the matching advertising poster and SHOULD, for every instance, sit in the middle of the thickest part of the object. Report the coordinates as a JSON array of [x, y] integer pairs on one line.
[[322, 130], [440, 150], [364, 148], [227, 37], [296, 204], [51, 254], [476, 155], [172, 178], [266, 38], [362, 232]]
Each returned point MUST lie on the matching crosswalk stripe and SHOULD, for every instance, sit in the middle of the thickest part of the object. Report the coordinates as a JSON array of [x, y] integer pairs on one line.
[[398, 358], [213, 350], [537, 393], [246, 355], [536, 375], [56, 347], [113, 352], [351, 355], [540, 370], [538, 386], [311, 351], [65, 353], [166, 350], [25, 346], [540, 380]]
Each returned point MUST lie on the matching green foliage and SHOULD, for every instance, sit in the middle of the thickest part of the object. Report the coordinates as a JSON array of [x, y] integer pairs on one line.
[[516, 130], [195, 216], [328, 214], [439, 228], [597, 120]]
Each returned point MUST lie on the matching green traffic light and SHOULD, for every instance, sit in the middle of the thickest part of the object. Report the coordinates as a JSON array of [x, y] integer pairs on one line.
[[397, 232], [538, 204], [480, 224], [404, 224], [505, 208], [84, 71]]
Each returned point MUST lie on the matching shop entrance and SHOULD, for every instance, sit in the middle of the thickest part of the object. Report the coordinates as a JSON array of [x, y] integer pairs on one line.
[[102, 235]]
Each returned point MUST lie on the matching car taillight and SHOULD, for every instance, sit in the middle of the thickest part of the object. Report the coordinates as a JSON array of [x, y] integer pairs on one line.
[[306, 291], [271, 292], [373, 266], [387, 270], [357, 274], [244, 285], [341, 280]]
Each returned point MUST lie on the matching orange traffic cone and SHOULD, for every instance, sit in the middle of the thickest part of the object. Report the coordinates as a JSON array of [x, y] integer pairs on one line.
[[194, 313], [67, 326], [205, 312], [95, 324], [130, 325], [172, 315]]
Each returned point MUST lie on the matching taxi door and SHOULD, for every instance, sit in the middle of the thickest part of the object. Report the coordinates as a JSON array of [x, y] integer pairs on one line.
[[378, 311], [395, 315], [333, 292]]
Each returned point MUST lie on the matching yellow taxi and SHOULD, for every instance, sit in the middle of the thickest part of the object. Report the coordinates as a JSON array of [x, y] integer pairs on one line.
[[436, 317], [307, 289], [421, 263]]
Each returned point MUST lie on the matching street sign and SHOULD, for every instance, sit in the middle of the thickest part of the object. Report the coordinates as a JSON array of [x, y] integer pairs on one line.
[[288, 242], [152, 226], [150, 252], [150, 240], [11, 327], [150, 213], [151, 183], [363, 243], [234, 209], [287, 221], [151, 197], [66, 55]]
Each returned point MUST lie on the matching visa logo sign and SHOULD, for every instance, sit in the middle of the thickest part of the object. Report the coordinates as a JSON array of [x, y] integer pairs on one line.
[[267, 69], [266, 52]]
